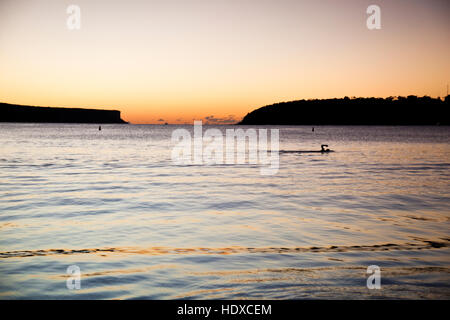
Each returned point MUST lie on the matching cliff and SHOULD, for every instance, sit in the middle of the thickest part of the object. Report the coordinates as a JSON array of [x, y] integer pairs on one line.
[[19, 113], [409, 110]]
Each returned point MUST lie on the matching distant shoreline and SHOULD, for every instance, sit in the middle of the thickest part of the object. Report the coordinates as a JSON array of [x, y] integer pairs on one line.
[[34, 114], [392, 111]]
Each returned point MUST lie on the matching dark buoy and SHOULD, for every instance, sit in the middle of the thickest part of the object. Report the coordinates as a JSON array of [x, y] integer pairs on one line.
[[312, 129], [99, 128]]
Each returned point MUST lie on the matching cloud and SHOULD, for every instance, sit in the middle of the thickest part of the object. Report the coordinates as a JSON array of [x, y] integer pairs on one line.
[[225, 120], [161, 120]]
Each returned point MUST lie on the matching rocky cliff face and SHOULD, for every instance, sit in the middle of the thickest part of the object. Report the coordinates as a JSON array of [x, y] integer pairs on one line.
[[19, 113]]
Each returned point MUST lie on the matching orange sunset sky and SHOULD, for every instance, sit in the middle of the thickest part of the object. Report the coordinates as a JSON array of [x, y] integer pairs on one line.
[[178, 60]]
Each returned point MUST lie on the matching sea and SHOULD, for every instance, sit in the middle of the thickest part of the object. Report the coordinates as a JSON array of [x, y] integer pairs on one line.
[[107, 214]]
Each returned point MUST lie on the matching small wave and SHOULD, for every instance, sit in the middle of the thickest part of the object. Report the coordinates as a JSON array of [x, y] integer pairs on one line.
[[427, 244]]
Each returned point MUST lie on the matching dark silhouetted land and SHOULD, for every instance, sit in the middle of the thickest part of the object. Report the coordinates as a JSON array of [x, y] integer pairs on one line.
[[20, 113], [411, 110]]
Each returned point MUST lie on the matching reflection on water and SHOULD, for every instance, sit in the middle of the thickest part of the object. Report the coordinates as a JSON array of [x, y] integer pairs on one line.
[[229, 250], [113, 203]]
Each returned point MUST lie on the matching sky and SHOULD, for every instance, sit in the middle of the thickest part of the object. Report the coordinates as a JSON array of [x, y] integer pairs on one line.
[[177, 61]]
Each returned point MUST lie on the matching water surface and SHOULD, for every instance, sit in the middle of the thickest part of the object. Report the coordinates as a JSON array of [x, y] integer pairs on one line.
[[138, 226]]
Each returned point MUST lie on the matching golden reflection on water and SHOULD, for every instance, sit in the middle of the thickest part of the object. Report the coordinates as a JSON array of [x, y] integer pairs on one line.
[[426, 244]]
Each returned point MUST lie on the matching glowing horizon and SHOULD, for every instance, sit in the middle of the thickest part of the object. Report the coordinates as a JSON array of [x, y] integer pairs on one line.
[[175, 61]]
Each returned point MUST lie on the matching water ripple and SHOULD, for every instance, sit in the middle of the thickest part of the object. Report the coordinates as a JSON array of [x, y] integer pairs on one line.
[[427, 244]]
